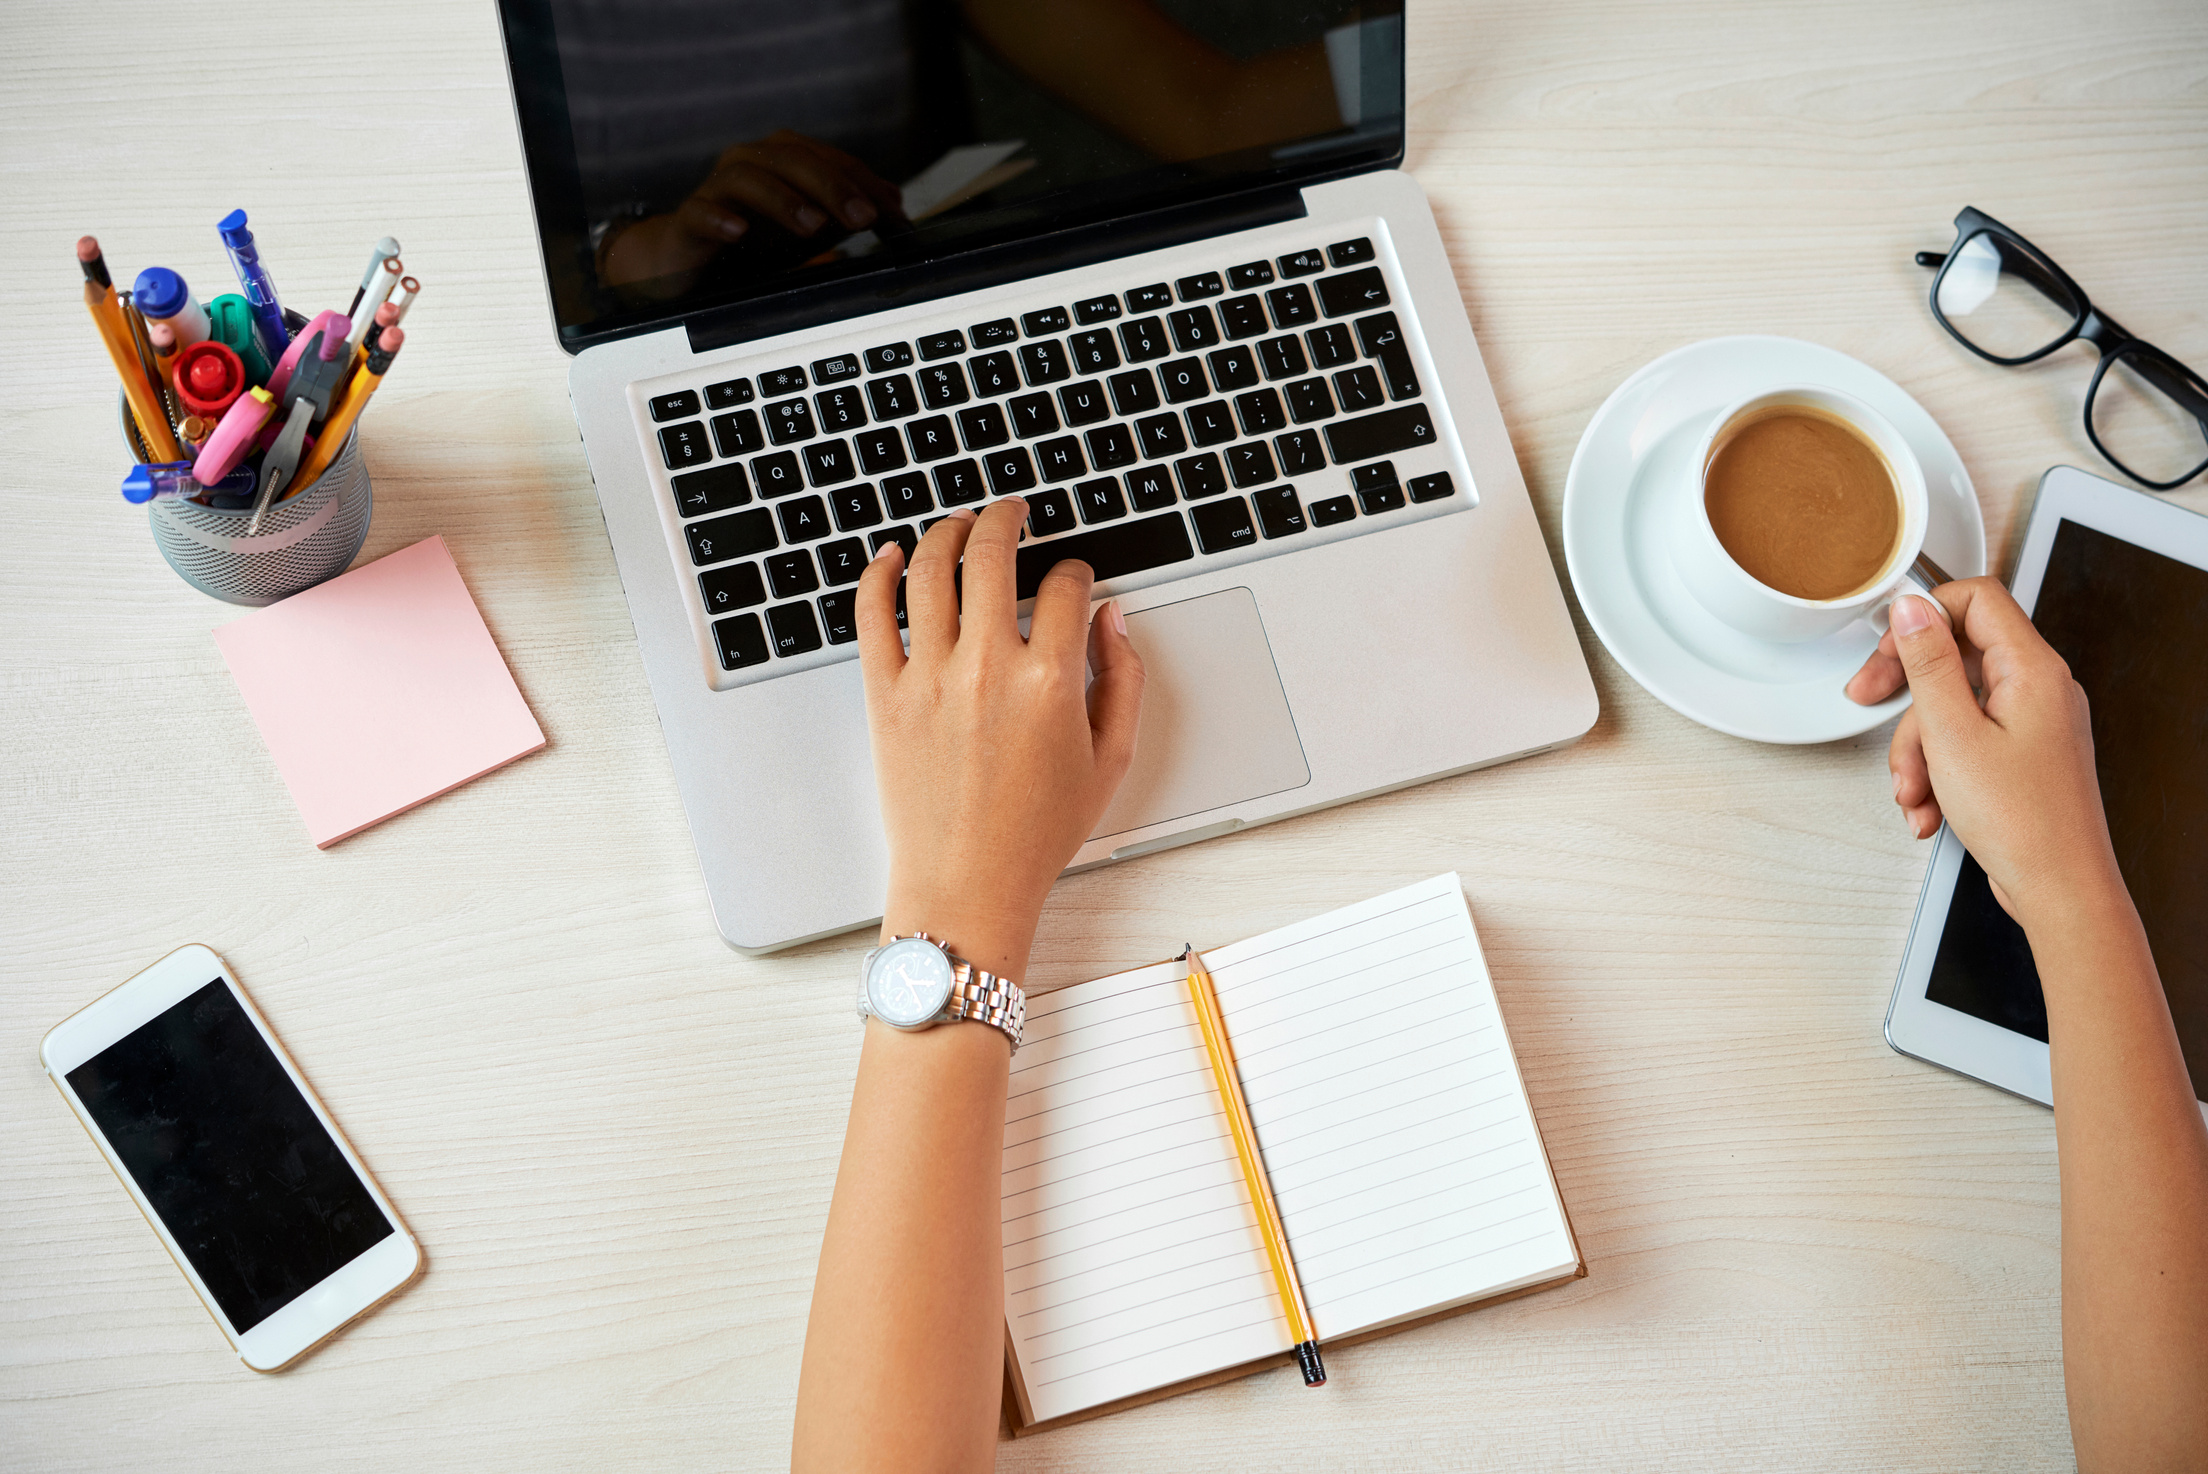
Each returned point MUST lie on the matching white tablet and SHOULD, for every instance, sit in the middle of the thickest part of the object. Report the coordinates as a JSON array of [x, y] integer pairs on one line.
[[2118, 583]]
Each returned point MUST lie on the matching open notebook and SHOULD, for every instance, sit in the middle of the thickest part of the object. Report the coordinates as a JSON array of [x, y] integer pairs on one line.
[[1395, 1129]]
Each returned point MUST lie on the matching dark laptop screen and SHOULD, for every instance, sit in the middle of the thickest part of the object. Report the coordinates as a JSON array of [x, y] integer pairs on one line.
[[687, 154]]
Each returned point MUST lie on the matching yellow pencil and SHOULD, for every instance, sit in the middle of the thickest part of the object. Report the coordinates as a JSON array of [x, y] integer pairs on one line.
[[145, 406], [1229, 1080], [339, 423]]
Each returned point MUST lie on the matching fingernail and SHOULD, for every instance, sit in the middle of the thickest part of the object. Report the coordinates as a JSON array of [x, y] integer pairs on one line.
[[883, 550], [965, 512], [810, 219], [1119, 617], [733, 229], [858, 212], [1910, 614], [1897, 788]]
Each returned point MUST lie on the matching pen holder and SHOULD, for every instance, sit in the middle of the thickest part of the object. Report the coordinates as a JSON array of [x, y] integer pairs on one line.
[[304, 540]]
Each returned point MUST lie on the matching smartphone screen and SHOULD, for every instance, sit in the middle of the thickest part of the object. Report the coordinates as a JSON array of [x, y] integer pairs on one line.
[[220, 1141]]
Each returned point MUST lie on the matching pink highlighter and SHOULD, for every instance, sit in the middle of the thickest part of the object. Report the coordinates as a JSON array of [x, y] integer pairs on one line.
[[233, 438], [334, 326]]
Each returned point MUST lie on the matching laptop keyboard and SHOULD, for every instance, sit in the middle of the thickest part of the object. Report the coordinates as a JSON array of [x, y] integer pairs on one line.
[[1155, 430]]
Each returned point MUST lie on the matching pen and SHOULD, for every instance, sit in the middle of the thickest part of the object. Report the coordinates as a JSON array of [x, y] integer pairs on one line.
[[372, 297], [163, 297], [1229, 1080], [144, 483], [145, 405], [347, 410], [382, 251], [209, 377], [260, 291], [230, 323]]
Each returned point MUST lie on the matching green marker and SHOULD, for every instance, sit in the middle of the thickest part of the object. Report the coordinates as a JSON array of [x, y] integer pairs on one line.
[[230, 322]]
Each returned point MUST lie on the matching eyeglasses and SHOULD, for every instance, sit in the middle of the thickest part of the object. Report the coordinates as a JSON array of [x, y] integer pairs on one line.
[[2001, 297]]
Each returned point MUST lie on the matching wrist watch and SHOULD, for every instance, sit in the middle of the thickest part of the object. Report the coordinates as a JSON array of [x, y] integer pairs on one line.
[[915, 983]]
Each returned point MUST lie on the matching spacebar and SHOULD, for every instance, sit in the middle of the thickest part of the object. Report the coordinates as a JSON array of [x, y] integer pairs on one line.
[[1382, 434], [1128, 547]]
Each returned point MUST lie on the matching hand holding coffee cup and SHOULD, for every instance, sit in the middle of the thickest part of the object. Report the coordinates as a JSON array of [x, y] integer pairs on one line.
[[1809, 510]]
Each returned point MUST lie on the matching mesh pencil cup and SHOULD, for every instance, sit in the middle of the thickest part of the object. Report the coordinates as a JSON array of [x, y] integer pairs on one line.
[[304, 540]]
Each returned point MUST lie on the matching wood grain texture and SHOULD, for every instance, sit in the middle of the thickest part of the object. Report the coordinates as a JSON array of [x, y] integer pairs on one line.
[[616, 1139]]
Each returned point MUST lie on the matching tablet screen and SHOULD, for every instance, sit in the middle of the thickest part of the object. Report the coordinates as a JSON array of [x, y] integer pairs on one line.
[[2133, 624]]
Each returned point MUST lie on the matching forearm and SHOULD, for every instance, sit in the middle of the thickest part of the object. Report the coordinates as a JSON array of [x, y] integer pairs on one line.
[[2134, 1167]]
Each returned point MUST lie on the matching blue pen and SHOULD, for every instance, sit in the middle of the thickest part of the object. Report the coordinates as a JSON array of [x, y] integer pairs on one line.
[[260, 292], [174, 478]]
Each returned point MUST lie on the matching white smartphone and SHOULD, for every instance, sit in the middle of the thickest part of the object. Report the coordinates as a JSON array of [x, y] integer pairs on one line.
[[222, 1144]]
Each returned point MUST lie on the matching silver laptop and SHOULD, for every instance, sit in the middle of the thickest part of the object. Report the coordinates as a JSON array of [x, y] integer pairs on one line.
[[832, 271]]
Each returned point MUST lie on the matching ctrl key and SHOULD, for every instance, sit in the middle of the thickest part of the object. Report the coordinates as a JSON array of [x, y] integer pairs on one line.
[[742, 641], [795, 631]]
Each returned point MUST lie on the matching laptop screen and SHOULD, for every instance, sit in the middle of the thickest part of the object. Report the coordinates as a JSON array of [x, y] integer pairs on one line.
[[693, 154]]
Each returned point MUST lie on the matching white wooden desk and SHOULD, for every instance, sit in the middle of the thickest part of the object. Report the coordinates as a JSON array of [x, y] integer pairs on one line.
[[616, 1138]]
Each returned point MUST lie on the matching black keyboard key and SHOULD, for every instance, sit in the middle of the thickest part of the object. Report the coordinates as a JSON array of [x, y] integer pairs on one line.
[[1060, 459], [1113, 552], [1221, 527], [1292, 306], [1371, 478], [1260, 412], [790, 421], [907, 495], [790, 574], [1385, 433], [1184, 380], [792, 630], [1151, 488], [1100, 501], [738, 434], [1193, 328], [1380, 499], [1201, 476], [1044, 321], [835, 370], [1093, 352], [1049, 512], [1210, 424], [993, 374], [892, 397], [1160, 435], [1143, 339], [1383, 342], [1010, 470], [1085, 404], [803, 519], [943, 345], [676, 406], [738, 586], [683, 446], [1255, 274], [1351, 253], [1283, 358], [1308, 401], [990, 334], [715, 489], [738, 535], [1096, 309], [842, 561], [931, 439], [904, 537], [879, 450], [1334, 509], [1303, 263], [983, 426], [829, 462], [1134, 392], [729, 393], [959, 483], [776, 475], [942, 385], [1241, 317], [1250, 464], [839, 616], [1432, 488], [1112, 446], [889, 356], [1353, 291], [1206, 284], [839, 410], [742, 641], [1278, 511], [1033, 415], [856, 507], [1045, 363], [1149, 299], [782, 381], [1359, 389], [1232, 368], [1299, 453], [1331, 346]]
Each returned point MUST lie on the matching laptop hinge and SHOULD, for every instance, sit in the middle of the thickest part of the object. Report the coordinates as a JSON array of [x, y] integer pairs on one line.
[[990, 266]]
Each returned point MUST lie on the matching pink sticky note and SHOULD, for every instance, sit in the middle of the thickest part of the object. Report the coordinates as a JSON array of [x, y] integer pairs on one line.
[[378, 690]]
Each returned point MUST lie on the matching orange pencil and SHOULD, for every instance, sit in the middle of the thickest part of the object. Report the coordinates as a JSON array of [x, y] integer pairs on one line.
[[145, 402]]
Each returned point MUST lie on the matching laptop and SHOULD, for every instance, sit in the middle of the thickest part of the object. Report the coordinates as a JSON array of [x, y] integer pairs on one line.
[[830, 272]]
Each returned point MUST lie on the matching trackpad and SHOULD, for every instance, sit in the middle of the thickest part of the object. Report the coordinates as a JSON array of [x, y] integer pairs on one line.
[[1215, 723]]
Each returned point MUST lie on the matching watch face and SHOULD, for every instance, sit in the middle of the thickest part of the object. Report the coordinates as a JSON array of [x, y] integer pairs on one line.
[[909, 982]]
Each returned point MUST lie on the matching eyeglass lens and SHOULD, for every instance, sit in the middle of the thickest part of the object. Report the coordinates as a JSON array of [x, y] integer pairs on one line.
[[2145, 431], [1998, 297]]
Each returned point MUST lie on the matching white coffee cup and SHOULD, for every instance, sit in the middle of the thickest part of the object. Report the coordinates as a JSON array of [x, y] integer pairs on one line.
[[1737, 597]]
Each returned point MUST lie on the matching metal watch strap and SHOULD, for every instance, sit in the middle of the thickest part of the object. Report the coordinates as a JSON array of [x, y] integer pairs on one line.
[[986, 998]]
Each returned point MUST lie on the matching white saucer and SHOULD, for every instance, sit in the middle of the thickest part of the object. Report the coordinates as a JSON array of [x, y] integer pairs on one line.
[[1628, 479]]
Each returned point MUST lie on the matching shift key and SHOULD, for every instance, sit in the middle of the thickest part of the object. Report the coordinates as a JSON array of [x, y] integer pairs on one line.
[[1371, 436]]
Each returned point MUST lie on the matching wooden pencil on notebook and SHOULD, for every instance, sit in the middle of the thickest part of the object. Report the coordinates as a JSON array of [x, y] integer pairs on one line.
[[1229, 1080]]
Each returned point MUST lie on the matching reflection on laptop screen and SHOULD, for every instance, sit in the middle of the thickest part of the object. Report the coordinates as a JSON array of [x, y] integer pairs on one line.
[[691, 153]]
